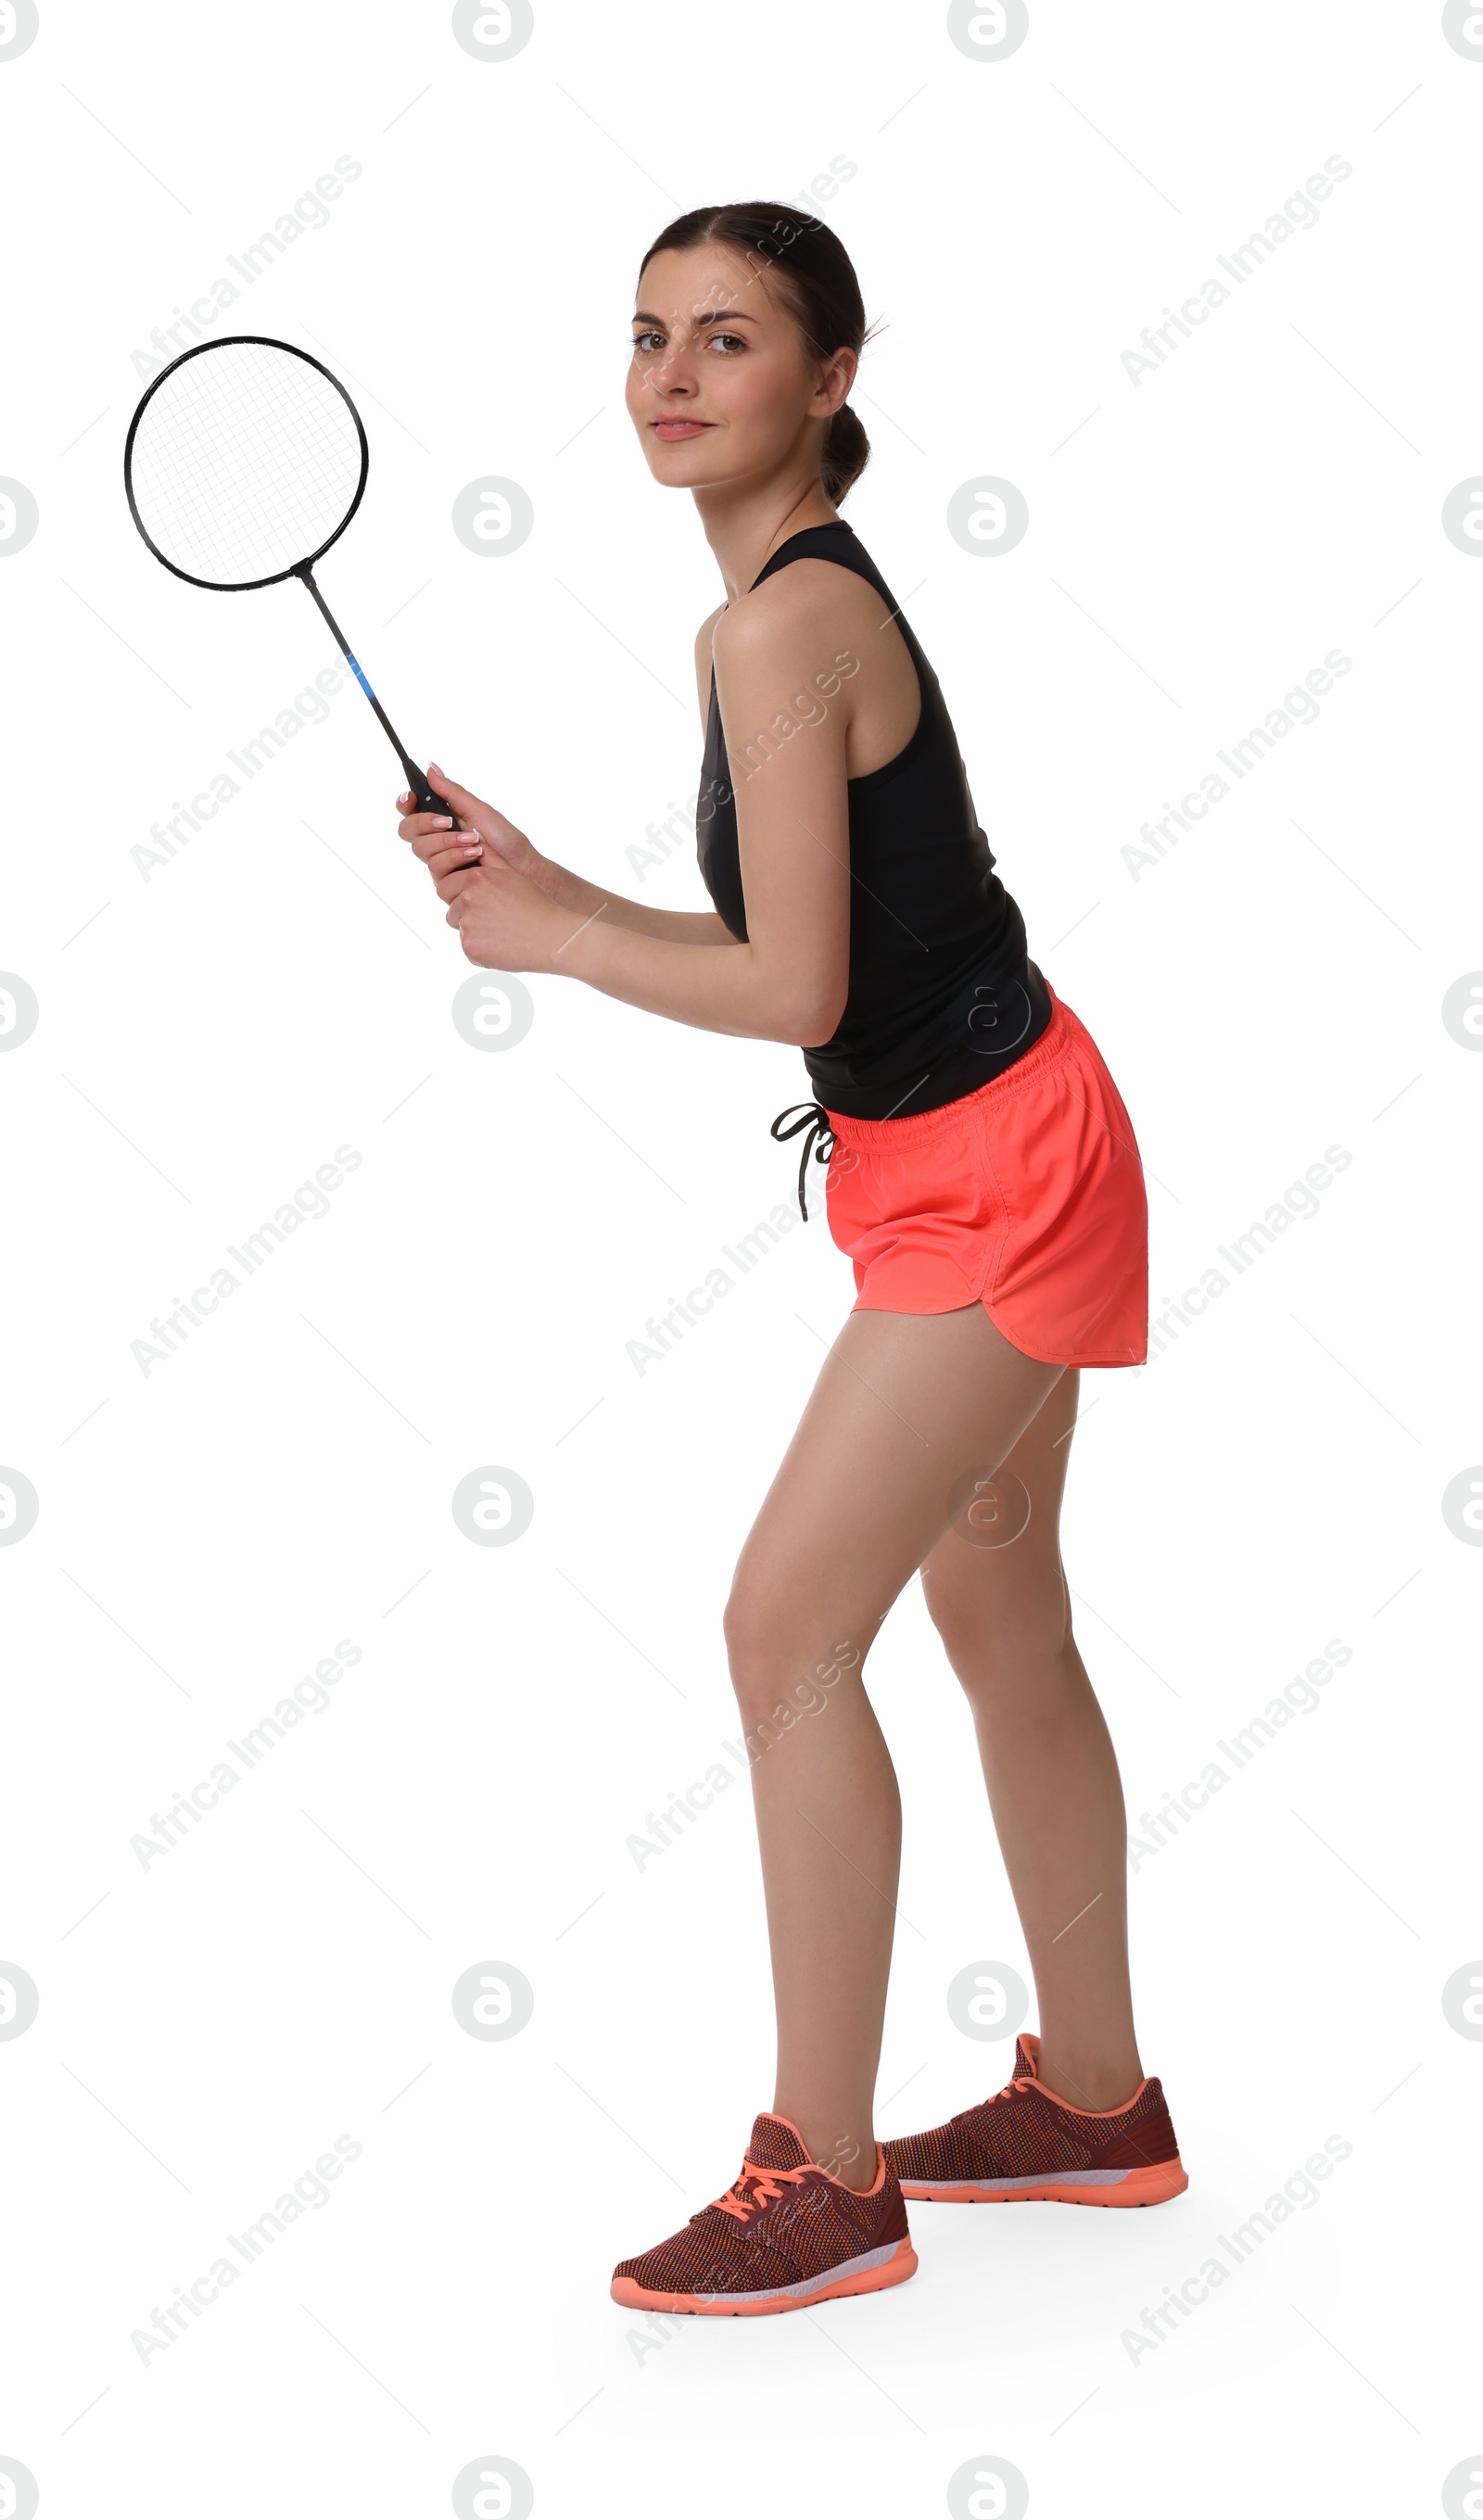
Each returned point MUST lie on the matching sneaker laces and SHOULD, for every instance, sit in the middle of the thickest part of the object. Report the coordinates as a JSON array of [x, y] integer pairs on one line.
[[752, 2188], [1016, 2083]]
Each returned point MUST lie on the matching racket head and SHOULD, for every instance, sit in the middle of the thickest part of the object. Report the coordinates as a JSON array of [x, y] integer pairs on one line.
[[245, 459]]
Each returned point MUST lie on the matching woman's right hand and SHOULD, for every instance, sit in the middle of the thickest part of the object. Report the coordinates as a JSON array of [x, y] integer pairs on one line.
[[488, 833]]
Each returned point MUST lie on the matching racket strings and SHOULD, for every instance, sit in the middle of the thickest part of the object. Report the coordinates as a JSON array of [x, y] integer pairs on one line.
[[246, 461]]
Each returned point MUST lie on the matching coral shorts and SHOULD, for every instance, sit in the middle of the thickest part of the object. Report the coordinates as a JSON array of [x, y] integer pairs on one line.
[[1025, 1197]]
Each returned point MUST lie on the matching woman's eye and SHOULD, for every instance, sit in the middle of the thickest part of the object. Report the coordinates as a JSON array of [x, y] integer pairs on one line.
[[644, 340], [733, 341]]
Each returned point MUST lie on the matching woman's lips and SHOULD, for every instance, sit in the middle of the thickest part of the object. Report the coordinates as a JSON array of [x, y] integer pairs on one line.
[[671, 430]]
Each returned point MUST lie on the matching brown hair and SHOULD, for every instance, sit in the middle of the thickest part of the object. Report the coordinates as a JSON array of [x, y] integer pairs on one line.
[[820, 288]]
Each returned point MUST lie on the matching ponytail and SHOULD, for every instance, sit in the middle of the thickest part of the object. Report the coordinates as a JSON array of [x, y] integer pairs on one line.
[[846, 453]]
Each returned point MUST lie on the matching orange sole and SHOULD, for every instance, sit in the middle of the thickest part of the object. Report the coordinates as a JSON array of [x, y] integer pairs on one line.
[[895, 2271], [1153, 2185]]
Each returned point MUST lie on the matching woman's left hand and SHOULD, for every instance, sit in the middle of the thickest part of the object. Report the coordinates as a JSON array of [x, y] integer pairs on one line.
[[503, 922]]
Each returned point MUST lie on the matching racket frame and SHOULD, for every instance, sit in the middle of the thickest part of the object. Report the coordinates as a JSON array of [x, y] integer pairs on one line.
[[202, 350], [426, 801]]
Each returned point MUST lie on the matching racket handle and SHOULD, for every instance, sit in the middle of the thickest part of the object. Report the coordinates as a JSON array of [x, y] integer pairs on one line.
[[424, 799]]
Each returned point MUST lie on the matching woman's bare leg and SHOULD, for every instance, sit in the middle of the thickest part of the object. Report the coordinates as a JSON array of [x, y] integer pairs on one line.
[[1004, 1616], [905, 1406]]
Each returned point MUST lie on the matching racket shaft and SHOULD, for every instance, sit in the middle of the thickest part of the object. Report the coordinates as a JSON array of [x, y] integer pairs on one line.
[[426, 800]]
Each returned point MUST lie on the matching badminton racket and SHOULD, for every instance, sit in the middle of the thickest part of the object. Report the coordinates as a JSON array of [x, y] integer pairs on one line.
[[244, 462]]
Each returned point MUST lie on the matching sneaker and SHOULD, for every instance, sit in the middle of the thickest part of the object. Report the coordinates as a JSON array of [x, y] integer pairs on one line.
[[785, 2235], [1027, 2142]]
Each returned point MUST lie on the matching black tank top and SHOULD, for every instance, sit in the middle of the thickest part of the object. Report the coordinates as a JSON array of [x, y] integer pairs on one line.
[[942, 994]]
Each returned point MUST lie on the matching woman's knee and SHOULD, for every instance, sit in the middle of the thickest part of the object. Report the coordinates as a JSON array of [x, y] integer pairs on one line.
[[1002, 1635], [754, 1632], [777, 1665]]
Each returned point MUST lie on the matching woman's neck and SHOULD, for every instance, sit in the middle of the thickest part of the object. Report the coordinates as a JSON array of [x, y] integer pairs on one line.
[[744, 531]]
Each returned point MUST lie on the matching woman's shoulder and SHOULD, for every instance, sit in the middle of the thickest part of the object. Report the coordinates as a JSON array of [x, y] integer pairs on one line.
[[704, 659], [707, 632], [808, 598]]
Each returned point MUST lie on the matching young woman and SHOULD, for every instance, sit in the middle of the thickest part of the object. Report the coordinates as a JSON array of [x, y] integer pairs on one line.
[[984, 1179]]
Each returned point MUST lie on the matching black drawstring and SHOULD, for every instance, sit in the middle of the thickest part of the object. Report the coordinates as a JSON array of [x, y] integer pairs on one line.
[[820, 1142]]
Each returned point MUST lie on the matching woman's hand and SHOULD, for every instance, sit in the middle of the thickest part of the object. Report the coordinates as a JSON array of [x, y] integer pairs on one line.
[[500, 891], [504, 921], [443, 849], [502, 896]]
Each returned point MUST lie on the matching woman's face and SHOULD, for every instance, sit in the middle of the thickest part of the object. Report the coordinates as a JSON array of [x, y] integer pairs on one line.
[[719, 385]]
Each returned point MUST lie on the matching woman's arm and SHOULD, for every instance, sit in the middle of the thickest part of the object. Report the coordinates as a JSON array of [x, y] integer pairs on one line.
[[774, 653], [443, 851]]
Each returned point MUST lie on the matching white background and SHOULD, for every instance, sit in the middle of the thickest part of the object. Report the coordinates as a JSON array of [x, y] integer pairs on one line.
[[212, 1030]]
